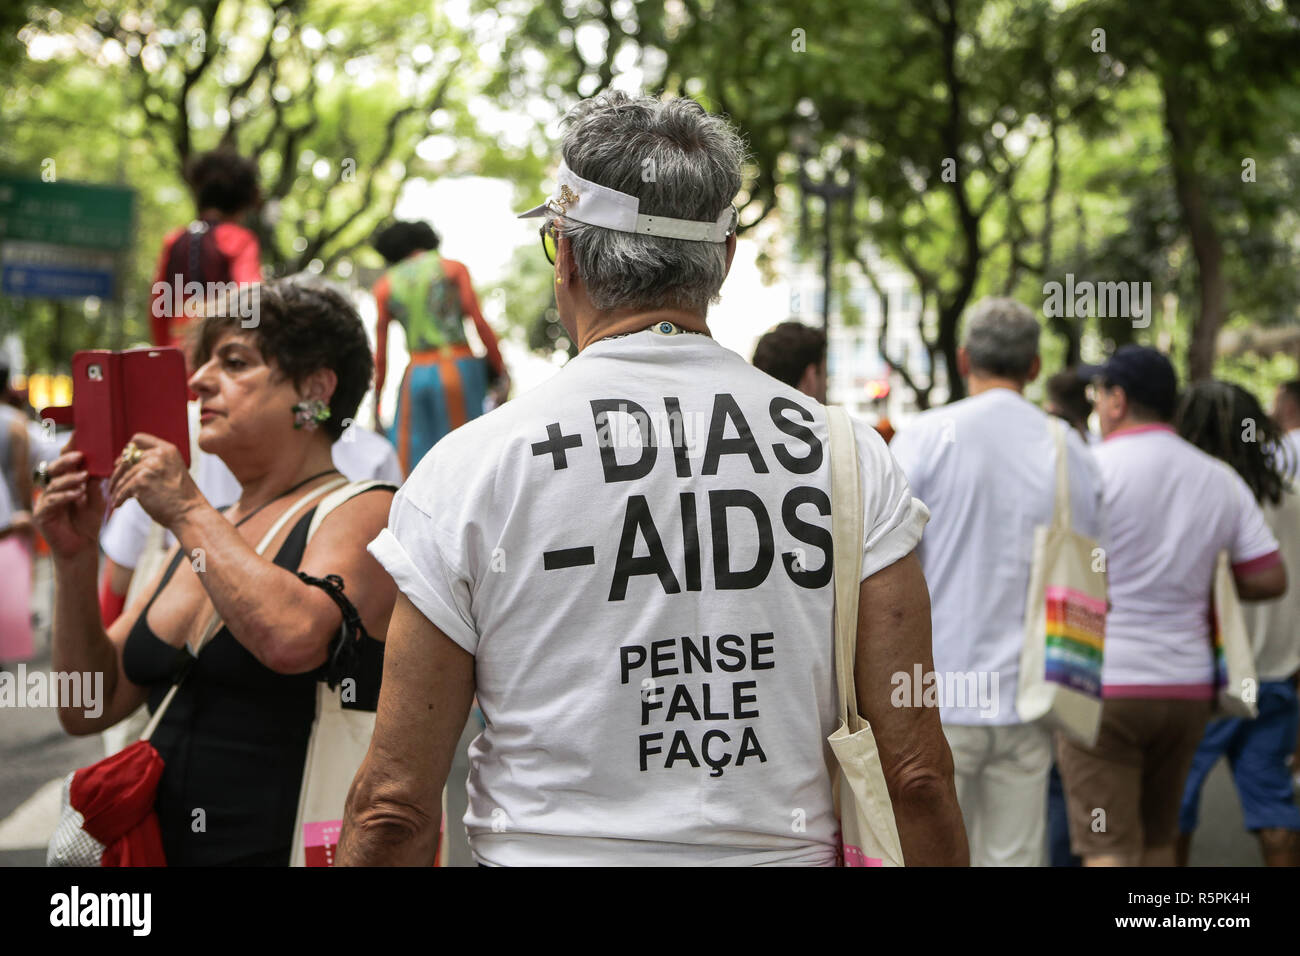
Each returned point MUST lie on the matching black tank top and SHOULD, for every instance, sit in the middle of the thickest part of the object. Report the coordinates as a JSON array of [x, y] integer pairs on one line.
[[234, 740]]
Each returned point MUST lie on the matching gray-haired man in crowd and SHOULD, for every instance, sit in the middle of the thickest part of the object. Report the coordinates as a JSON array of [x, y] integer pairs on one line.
[[630, 565], [986, 468]]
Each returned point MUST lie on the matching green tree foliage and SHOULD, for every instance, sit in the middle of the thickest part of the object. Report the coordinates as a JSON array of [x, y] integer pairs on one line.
[[331, 99], [996, 144]]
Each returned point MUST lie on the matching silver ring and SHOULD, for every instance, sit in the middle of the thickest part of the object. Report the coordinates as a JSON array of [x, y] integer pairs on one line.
[[41, 475]]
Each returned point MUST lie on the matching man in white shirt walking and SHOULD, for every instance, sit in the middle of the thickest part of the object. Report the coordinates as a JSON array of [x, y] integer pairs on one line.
[[630, 566], [1170, 510], [986, 468]]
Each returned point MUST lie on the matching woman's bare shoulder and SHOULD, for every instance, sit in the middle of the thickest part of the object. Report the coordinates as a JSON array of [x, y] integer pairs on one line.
[[363, 511]]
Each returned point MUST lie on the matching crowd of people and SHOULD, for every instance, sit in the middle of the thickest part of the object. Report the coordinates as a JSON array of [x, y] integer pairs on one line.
[[1152, 487], [645, 621]]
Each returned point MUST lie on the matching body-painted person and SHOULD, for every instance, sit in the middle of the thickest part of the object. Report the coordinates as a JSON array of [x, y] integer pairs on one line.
[[445, 384]]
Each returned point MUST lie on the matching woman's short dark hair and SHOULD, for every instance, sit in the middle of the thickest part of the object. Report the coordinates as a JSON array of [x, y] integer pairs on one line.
[[224, 180], [1226, 421], [300, 328], [787, 350], [399, 240]]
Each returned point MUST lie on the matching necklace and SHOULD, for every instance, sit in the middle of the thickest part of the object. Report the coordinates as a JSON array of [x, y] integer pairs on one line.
[[663, 328], [305, 481]]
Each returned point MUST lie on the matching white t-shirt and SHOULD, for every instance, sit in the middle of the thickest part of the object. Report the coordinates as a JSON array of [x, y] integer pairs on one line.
[[1290, 453], [1171, 509], [652, 642], [1275, 625], [986, 468], [359, 454]]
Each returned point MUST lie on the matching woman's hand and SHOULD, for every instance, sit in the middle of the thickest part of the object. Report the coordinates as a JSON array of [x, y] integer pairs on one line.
[[71, 508], [158, 480]]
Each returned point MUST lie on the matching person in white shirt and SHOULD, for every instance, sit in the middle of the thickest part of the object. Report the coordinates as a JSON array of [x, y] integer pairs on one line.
[[986, 468], [630, 564], [1170, 510], [1214, 416], [1286, 412]]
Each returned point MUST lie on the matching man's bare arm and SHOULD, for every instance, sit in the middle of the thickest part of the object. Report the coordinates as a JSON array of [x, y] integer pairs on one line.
[[395, 803], [893, 637], [1262, 585]]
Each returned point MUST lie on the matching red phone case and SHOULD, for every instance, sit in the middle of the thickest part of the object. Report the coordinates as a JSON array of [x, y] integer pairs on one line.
[[116, 394]]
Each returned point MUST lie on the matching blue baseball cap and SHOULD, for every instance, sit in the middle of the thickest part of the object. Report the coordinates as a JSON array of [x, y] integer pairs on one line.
[[1145, 374]]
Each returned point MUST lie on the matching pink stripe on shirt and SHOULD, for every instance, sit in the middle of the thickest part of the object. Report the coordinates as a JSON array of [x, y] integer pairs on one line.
[[1255, 565], [1161, 691], [1139, 429]]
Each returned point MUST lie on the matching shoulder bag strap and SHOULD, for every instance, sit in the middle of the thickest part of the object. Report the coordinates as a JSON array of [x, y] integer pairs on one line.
[[1061, 512], [214, 622], [341, 495], [846, 538]]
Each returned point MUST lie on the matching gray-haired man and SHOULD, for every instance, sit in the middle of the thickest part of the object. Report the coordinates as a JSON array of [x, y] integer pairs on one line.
[[630, 566], [985, 466]]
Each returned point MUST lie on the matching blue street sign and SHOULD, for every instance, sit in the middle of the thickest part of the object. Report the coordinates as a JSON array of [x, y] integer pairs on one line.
[[55, 282]]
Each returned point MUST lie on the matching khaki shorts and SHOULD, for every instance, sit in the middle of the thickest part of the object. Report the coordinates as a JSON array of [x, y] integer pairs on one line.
[[1124, 793]]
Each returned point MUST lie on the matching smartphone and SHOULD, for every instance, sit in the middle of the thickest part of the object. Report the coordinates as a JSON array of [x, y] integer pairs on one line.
[[117, 394]]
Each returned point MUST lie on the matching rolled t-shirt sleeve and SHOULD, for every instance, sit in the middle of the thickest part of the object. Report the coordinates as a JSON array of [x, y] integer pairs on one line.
[[411, 549], [893, 519]]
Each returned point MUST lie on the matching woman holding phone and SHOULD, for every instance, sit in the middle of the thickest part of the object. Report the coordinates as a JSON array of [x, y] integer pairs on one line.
[[234, 738]]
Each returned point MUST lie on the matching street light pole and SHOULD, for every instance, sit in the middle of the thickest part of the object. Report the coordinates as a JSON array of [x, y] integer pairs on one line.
[[829, 191]]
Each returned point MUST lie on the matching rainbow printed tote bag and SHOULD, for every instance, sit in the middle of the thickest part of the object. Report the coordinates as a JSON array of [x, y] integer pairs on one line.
[[1065, 621]]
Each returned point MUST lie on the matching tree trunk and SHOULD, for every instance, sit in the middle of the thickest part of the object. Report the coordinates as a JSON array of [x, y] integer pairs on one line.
[[968, 271], [1206, 246], [948, 316], [1065, 327]]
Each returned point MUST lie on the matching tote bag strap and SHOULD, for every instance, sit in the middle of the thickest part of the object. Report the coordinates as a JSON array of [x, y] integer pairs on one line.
[[846, 542], [214, 622], [341, 495], [1061, 511]]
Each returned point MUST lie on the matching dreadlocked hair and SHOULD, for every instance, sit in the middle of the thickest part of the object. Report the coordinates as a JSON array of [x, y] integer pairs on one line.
[[1225, 420]]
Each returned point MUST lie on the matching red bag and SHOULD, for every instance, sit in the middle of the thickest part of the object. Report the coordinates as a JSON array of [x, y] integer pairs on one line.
[[108, 815]]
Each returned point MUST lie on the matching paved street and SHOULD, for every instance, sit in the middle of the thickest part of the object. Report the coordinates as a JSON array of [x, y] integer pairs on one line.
[[35, 751]]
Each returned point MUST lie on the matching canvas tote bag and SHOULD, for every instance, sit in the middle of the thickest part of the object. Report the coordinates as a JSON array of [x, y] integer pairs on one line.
[[1236, 682], [868, 832], [340, 737], [1065, 620]]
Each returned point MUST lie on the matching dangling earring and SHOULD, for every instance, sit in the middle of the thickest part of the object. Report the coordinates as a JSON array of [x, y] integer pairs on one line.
[[309, 413]]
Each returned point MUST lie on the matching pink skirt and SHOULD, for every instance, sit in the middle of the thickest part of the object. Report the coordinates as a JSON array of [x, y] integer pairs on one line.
[[15, 599]]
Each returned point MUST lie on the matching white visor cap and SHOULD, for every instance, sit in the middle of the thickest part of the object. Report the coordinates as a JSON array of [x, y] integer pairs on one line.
[[596, 205]]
